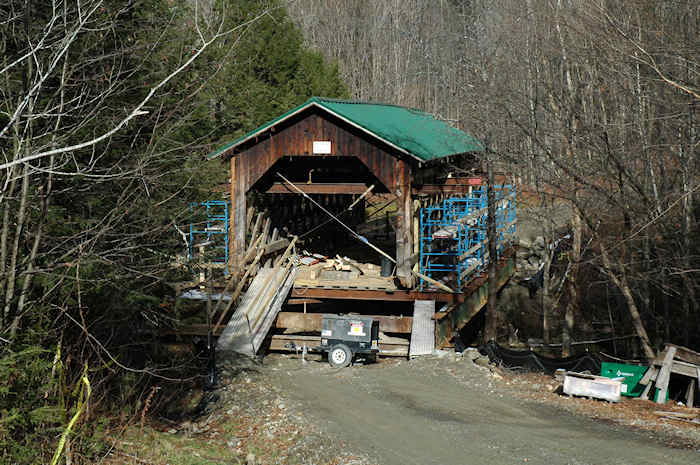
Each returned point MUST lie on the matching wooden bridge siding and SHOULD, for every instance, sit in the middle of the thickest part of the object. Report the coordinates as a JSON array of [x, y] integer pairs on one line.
[[295, 138], [477, 295]]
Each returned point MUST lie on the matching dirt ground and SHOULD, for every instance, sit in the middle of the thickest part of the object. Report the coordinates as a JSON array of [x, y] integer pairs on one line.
[[447, 410], [442, 409]]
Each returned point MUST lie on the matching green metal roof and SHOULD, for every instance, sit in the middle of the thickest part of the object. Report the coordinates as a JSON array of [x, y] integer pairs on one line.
[[413, 132]]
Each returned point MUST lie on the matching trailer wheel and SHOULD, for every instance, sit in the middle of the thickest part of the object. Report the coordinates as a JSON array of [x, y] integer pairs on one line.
[[339, 356]]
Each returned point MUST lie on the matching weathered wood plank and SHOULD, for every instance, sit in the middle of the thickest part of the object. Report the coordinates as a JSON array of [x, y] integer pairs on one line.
[[649, 376], [238, 214], [690, 393], [404, 225], [283, 342], [313, 321], [664, 375], [645, 393], [685, 354], [256, 227], [275, 246]]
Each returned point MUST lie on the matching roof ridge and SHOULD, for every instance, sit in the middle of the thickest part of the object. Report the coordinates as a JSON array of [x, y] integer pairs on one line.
[[365, 102]]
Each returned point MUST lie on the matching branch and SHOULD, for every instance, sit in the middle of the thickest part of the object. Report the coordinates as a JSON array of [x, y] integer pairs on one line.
[[651, 61], [138, 110]]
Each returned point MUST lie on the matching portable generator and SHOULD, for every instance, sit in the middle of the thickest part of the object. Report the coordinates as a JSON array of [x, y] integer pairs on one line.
[[344, 336]]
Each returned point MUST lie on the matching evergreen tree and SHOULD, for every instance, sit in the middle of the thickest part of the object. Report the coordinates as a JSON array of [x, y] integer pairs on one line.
[[88, 234]]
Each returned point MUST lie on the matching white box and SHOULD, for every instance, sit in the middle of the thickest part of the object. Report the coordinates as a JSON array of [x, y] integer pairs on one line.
[[577, 384], [322, 147]]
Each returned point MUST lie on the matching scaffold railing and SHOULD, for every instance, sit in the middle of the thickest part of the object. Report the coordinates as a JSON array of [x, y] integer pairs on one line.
[[210, 227], [453, 239]]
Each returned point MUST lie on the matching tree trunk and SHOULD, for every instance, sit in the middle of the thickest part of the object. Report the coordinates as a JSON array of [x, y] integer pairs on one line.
[[491, 327], [12, 271], [621, 282], [572, 304]]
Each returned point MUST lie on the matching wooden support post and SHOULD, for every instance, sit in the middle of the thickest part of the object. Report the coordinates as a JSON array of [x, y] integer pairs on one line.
[[404, 226], [645, 393], [239, 224], [690, 394], [664, 375], [202, 275], [416, 232]]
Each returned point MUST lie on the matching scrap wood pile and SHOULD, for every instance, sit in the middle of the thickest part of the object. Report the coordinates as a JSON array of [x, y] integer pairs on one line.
[[688, 417], [677, 360], [320, 264], [320, 271]]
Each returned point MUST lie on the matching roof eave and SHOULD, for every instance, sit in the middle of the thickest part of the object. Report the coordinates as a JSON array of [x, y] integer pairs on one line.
[[309, 104], [264, 128]]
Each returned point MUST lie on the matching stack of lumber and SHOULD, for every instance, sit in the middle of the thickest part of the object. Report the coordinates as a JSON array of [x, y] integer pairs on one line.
[[674, 359], [258, 309]]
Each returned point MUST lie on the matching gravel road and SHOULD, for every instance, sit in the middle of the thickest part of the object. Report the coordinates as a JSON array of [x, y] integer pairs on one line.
[[450, 411]]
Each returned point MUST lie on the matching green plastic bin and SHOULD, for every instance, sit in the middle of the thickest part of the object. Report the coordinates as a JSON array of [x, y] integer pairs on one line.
[[631, 374]]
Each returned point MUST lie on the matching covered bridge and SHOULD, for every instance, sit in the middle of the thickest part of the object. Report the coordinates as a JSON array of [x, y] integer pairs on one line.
[[337, 147]]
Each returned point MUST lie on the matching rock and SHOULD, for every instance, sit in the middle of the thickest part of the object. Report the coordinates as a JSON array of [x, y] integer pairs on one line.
[[250, 459], [281, 406], [471, 353], [539, 242], [482, 361], [233, 442], [440, 353]]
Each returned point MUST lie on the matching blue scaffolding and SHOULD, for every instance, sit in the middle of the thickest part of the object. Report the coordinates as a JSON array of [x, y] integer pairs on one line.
[[210, 224], [453, 240]]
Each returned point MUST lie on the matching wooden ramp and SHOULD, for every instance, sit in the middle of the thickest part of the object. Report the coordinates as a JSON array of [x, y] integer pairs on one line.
[[256, 312], [423, 331]]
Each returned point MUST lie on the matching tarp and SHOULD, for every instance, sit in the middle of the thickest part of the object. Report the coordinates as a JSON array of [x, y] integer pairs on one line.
[[528, 360]]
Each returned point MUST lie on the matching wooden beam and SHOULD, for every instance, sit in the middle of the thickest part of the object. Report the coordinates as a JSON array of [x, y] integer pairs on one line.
[[404, 224], [312, 322], [664, 375], [685, 354], [319, 188], [303, 301], [239, 225], [690, 394], [476, 297], [372, 294], [272, 247], [284, 342]]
